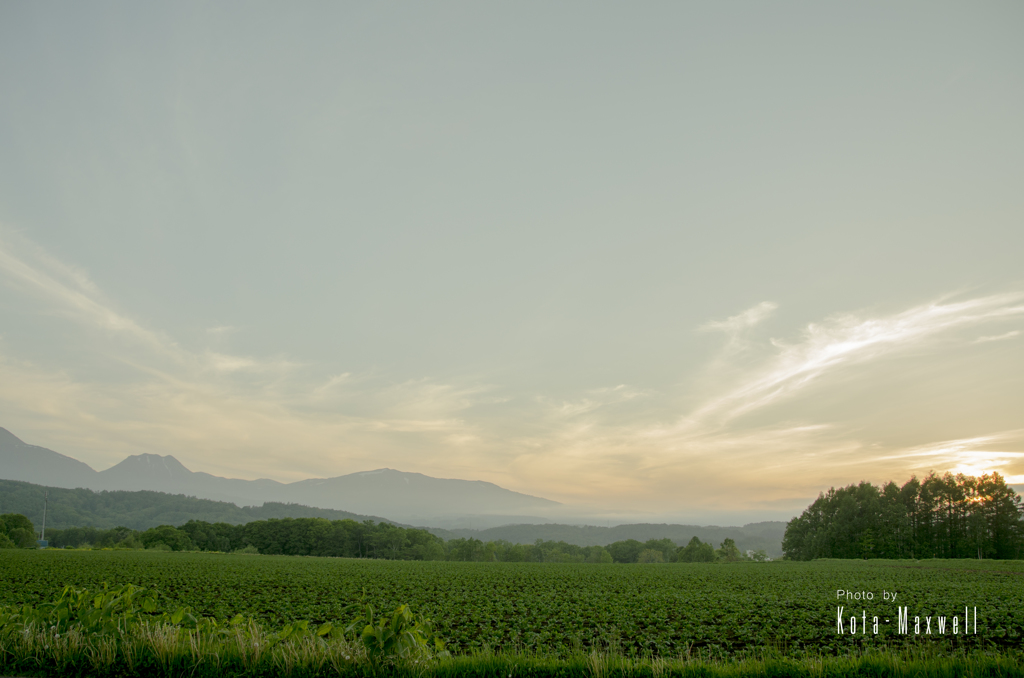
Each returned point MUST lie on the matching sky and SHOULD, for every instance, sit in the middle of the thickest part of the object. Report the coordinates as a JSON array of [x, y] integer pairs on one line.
[[680, 259]]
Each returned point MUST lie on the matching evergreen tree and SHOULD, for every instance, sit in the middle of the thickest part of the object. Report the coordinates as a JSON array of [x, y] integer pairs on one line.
[[939, 517]]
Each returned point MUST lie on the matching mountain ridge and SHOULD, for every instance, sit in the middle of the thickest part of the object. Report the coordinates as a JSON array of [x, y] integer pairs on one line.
[[143, 509], [400, 495]]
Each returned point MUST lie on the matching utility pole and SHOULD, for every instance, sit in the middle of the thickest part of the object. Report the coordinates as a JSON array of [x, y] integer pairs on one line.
[[46, 495]]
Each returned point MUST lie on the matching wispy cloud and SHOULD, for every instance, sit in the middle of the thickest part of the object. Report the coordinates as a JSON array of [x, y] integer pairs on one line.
[[590, 401], [250, 408], [735, 327], [226, 364], [73, 292], [708, 449], [741, 321], [998, 337], [70, 291], [216, 425], [279, 417], [846, 340], [332, 382]]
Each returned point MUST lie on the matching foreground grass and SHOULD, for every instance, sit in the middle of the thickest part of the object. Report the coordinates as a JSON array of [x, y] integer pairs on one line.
[[169, 651]]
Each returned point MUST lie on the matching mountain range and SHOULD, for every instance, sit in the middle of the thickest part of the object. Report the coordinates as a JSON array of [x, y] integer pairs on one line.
[[146, 490], [406, 497], [144, 509]]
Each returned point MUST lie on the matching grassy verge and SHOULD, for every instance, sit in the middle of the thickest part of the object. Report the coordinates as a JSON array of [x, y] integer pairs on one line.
[[169, 651]]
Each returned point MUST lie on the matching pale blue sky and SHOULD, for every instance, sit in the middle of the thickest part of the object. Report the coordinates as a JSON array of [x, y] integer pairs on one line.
[[504, 242]]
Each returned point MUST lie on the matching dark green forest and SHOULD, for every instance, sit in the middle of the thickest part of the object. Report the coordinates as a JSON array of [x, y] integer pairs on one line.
[[142, 509], [367, 539], [938, 517]]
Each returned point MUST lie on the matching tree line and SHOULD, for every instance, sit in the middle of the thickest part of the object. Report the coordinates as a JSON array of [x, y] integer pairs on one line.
[[367, 539], [938, 517]]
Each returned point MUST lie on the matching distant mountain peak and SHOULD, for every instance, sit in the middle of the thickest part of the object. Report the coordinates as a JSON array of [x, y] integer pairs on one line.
[[398, 495], [8, 437], [31, 463], [153, 463], [375, 472]]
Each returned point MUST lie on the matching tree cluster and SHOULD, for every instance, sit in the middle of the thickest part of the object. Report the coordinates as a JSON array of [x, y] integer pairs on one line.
[[938, 517], [116, 537], [366, 539], [16, 531], [287, 536]]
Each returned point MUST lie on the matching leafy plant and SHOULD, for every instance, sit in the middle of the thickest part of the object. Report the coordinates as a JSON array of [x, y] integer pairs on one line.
[[107, 612], [401, 635]]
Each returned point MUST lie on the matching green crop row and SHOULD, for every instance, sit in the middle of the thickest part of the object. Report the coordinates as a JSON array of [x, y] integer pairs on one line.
[[667, 610]]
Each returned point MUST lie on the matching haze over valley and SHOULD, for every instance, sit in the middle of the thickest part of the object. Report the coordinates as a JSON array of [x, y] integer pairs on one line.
[[145, 491]]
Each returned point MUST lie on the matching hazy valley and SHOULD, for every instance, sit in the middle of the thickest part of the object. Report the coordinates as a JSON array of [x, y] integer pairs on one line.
[[147, 490]]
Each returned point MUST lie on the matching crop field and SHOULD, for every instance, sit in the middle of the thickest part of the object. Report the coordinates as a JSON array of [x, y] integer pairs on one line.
[[722, 610]]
